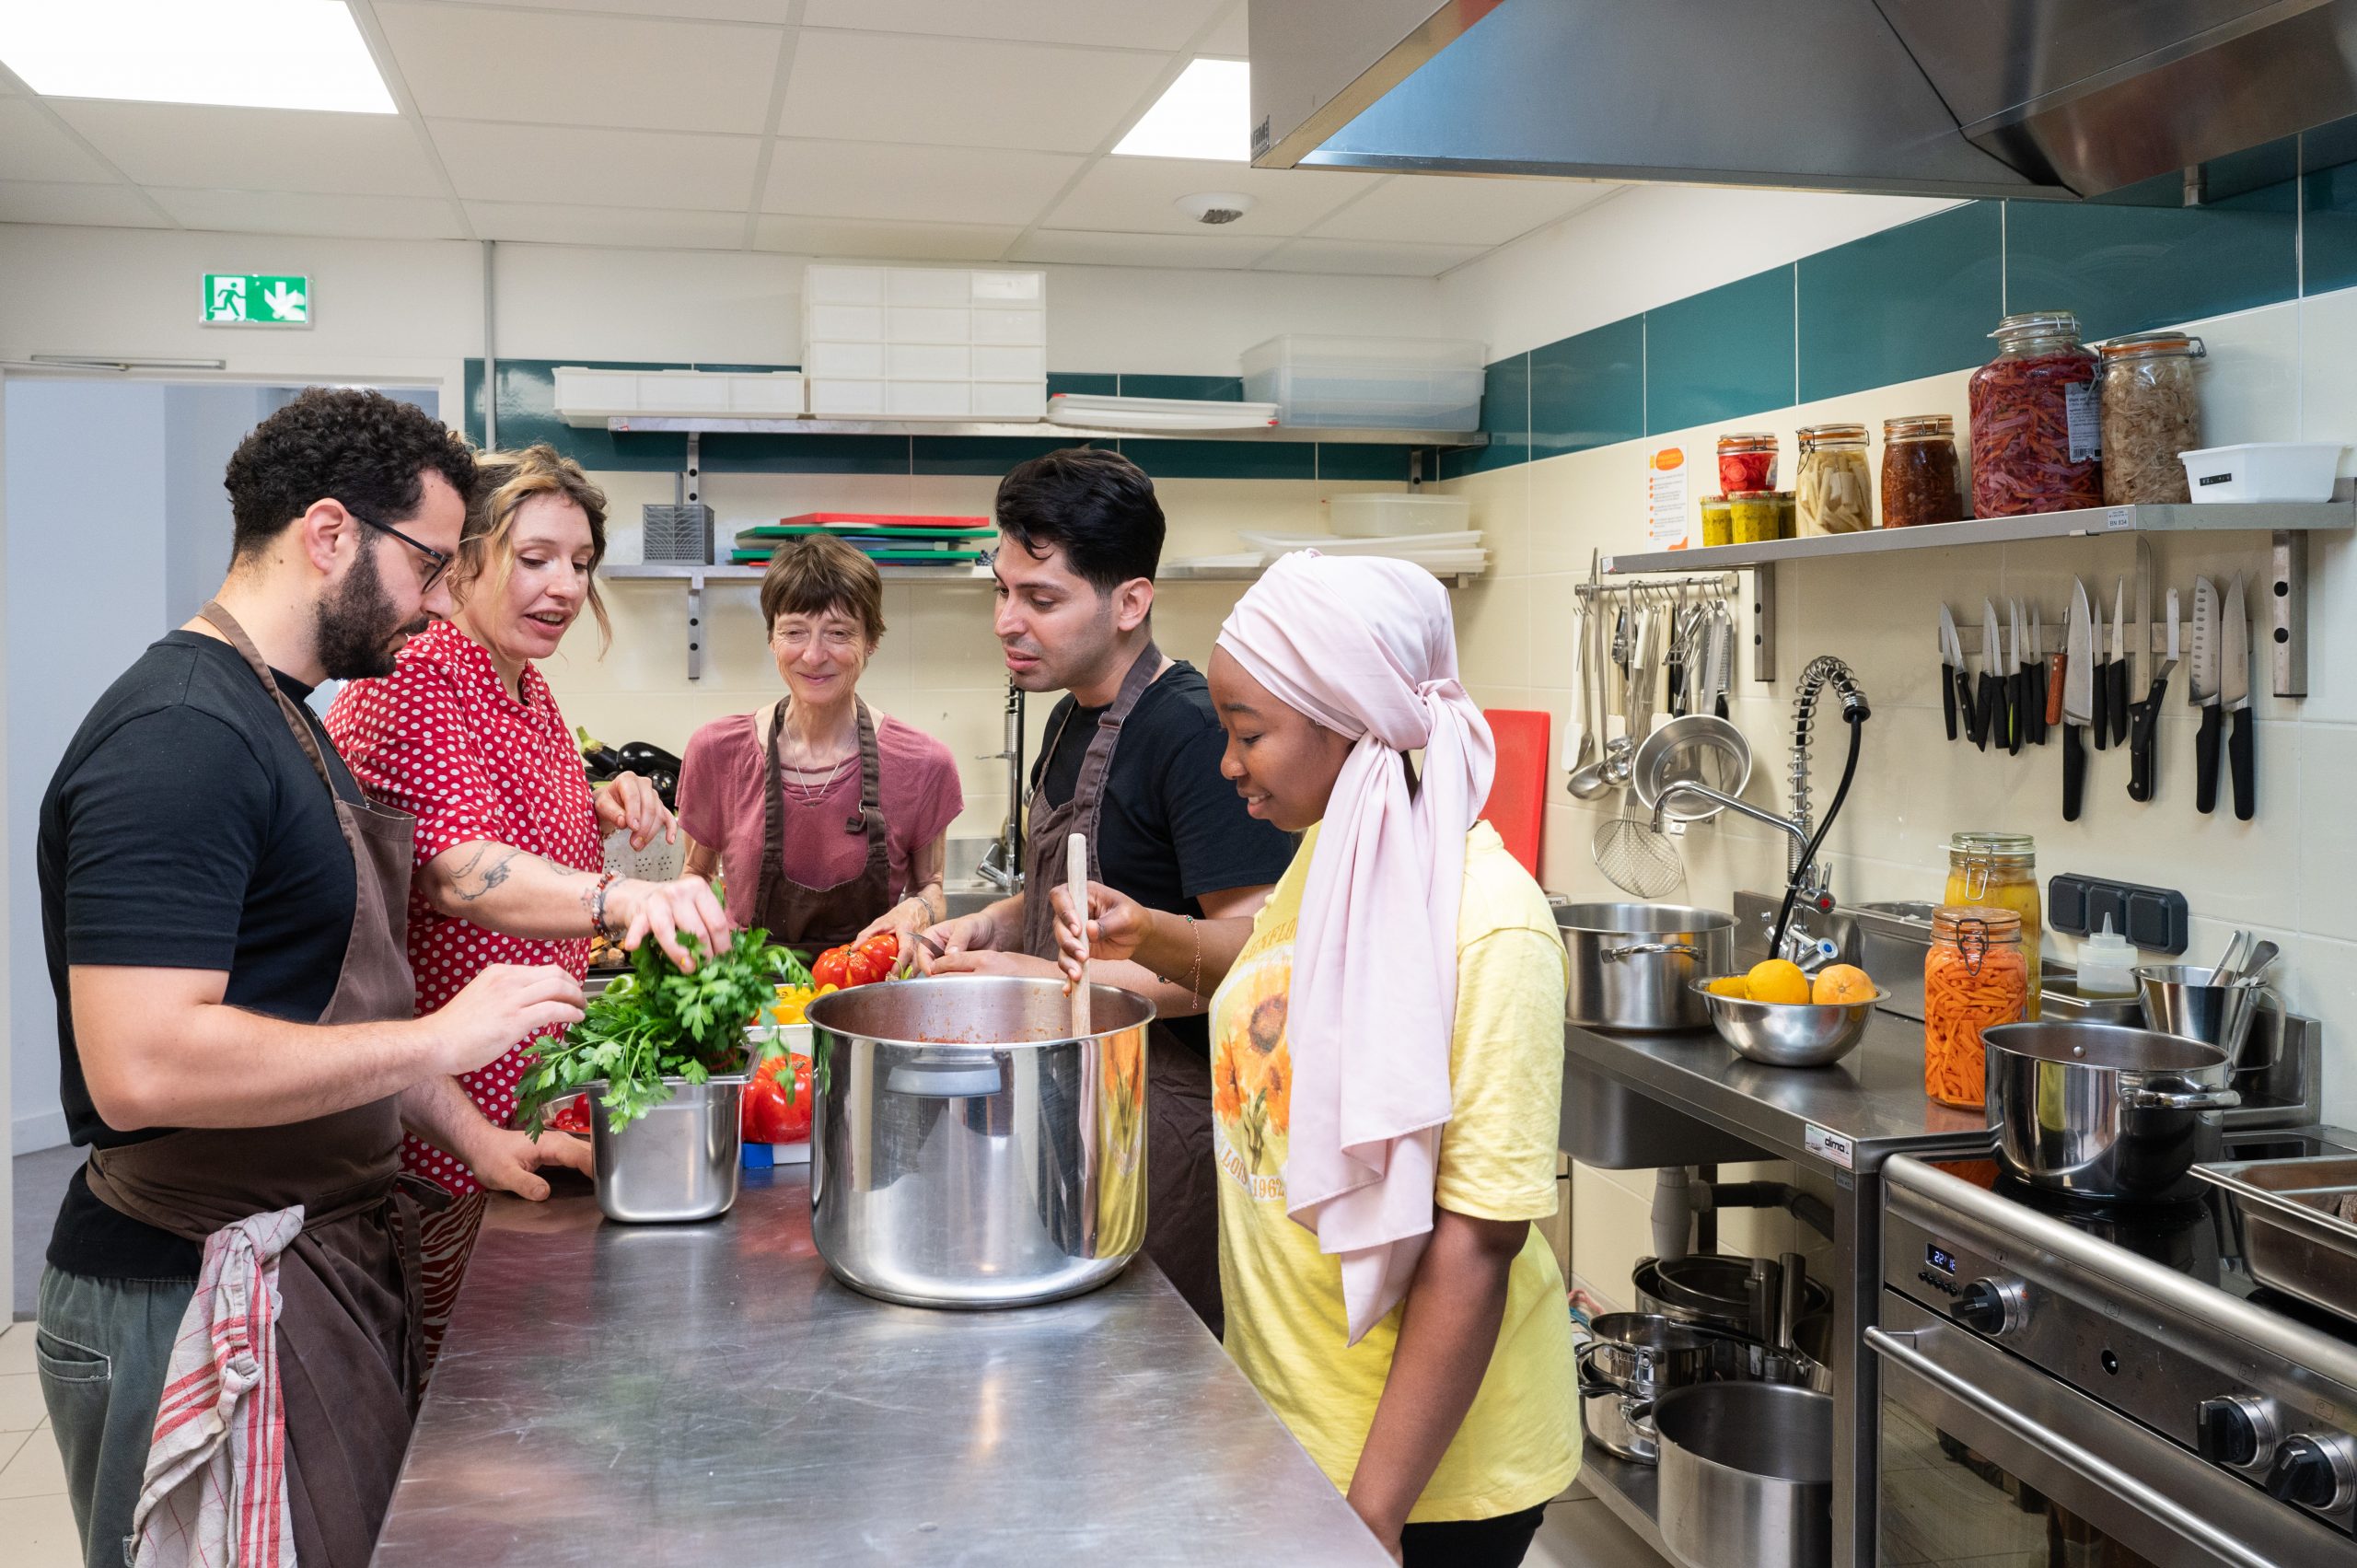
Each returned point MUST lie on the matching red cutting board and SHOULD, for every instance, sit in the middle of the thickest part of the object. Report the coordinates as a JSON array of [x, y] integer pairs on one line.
[[883, 520], [1519, 793]]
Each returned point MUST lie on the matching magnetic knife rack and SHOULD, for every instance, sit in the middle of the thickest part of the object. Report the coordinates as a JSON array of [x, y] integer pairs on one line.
[[2284, 617]]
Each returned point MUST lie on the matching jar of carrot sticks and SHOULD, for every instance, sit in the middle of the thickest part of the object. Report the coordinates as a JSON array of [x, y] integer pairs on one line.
[[1974, 977]]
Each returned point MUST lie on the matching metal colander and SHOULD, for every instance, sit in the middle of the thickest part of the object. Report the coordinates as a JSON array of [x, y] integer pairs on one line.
[[1639, 858]]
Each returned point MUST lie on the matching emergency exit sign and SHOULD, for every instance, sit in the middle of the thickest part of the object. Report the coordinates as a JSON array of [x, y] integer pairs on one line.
[[256, 299]]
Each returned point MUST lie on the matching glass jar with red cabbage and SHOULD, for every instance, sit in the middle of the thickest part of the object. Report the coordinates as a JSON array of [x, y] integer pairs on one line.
[[2037, 419]]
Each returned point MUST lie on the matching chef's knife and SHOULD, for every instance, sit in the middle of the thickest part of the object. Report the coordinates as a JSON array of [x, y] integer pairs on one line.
[[2099, 716], [2234, 692], [2016, 685], [2146, 720], [1951, 670], [2078, 700], [2118, 698], [1989, 706], [2037, 677], [2204, 694]]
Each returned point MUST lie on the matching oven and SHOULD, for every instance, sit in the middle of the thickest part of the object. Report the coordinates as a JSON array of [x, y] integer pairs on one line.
[[2066, 1388]]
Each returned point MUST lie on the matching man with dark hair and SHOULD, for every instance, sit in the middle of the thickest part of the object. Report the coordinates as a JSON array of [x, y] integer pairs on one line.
[[1132, 762], [224, 913]]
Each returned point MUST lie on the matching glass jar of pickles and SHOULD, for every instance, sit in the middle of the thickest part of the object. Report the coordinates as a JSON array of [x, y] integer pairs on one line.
[[1747, 461], [1718, 522], [1754, 516], [1976, 976], [1919, 475], [2150, 414], [2000, 870], [1833, 485]]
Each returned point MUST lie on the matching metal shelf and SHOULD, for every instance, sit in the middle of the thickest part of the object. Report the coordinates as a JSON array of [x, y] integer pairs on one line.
[[705, 424], [2270, 516], [698, 578], [2285, 583]]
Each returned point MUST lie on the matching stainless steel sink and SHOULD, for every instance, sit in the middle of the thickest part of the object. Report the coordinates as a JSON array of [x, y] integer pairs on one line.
[[967, 897], [1612, 1126]]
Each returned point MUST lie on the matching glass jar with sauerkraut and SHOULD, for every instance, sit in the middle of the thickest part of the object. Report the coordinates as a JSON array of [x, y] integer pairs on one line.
[[1834, 488], [2150, 415], [2036, 426]]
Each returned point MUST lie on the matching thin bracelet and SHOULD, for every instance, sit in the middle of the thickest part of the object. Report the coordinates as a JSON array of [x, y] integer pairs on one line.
[[597, 926], [1195, 971], [931, 918]]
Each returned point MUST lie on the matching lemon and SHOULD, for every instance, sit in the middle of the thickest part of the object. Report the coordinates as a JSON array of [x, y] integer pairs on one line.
[[1732, 985], [1842, 984], [1777, 980]]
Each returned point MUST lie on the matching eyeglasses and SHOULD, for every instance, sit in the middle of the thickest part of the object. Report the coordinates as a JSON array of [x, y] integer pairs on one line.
[[437, 561]]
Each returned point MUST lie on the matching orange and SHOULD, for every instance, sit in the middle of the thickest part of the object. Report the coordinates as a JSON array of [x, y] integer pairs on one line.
[[1842, 984], [1732, 985], [1777, 980]]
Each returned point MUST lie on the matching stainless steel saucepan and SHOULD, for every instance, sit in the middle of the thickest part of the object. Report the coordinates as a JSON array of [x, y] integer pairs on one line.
[[2103, 1111], [1631, 963]]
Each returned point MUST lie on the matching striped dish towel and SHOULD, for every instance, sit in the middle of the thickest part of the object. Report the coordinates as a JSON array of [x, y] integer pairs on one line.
[[214, 1494]]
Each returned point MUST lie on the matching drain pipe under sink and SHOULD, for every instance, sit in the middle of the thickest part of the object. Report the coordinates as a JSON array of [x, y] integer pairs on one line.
[[1677, 1198]]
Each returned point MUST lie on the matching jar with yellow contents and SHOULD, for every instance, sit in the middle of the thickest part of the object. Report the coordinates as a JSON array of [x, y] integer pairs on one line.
[[1999, 871]]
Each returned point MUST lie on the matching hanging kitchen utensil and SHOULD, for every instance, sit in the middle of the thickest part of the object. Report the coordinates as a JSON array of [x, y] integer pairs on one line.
[[1576, 736], [2016, 688], [1695, 748], [2146, 720], [2037, 677], [2079, 686], [1638, 858], [1988, 709], [2117, 699], [1952, 674], [2099, 692]]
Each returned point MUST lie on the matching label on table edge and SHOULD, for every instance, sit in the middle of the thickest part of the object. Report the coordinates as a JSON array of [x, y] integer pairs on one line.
[[1827, 1145]]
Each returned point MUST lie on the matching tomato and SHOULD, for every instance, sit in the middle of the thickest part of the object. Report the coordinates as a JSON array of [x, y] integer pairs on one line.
[[571, 1116], [770, 1116], [861, 970], [883, 950], [830, 969]]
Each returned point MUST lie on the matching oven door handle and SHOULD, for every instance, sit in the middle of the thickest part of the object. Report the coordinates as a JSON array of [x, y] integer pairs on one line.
[[1899, 1349]]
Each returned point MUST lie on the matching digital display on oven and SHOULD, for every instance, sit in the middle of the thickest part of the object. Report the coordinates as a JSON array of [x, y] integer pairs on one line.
[[1940, 1258]]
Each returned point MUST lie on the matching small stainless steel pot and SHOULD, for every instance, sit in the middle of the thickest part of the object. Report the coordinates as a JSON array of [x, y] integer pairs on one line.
[[1647, 1353], [1714, 1291], [1620, 1423], [1747, 1476], [2103, 1111], [1632, 964], [677, 1162], [967, 1150]]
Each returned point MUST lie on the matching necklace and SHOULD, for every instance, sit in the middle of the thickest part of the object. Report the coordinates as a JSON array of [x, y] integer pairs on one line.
[[812, 795]]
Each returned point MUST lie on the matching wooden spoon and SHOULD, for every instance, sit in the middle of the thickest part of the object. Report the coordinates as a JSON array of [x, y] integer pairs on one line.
[[1076, 884]]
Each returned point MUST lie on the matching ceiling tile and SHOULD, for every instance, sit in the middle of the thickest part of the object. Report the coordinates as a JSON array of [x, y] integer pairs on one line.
[[1137, 193], [32, 147], [1368, 256], [1460, 209], [1143, 249], [1125, 24], [114, 206], [962, 93], [1230, 39], [569, 68], [596, 169], [890, 241], [205, 146], [607, 226], [270, 211], [870, 179]]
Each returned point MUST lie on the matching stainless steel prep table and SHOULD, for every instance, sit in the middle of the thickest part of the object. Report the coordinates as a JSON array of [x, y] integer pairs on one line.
[[1843, 1121], [618, 1395]]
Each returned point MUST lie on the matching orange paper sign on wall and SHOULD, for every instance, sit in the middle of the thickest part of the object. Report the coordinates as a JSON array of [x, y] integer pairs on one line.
[[1517, 804]]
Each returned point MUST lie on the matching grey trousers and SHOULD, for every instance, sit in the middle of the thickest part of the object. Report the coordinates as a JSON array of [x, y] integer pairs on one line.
[[102, 1347]]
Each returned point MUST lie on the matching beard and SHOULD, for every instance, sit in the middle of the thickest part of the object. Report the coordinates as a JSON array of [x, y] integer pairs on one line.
[[359, 628]]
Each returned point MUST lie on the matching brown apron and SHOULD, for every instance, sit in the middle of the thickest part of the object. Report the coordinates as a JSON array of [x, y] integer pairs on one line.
[[350, 1363], [821, 917], [1182, 1199]]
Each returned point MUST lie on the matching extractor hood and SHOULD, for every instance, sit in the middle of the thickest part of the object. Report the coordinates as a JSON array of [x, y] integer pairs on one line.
[[2040, 99]]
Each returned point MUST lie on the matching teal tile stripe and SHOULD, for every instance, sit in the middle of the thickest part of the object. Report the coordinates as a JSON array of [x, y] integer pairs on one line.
[[528, 414], [1920, 299]]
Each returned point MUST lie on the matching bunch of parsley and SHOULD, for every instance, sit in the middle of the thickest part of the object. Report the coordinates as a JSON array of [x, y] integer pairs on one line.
[[656, 1023]]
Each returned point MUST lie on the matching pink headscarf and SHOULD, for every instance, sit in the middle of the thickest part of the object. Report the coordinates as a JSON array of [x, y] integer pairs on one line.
[[1365, 647]]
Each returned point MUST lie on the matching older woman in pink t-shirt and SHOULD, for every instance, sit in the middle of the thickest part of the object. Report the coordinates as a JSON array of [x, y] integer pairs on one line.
[[827, 821]]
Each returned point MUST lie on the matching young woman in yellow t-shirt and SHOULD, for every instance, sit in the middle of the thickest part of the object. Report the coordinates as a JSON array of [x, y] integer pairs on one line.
[[1386, 1069]]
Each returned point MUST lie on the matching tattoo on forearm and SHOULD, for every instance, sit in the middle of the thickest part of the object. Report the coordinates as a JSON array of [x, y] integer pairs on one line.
[[476, 881]]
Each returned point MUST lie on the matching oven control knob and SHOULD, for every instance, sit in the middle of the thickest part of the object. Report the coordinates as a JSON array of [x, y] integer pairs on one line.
[[2235, 1430], [2315, 1472], [1992, 1306]]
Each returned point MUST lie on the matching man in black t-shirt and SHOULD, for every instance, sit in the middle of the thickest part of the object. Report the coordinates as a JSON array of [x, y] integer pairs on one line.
[[233, 1003], [1132, 761]]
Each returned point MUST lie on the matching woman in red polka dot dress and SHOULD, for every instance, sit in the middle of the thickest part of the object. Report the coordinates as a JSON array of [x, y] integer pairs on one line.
[[466, 734]]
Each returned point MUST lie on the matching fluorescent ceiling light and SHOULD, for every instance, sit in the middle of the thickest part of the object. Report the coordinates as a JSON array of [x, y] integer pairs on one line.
[[253, 54], [1207, 113]]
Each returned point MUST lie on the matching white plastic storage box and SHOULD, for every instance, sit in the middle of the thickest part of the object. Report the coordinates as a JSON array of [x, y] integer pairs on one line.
[[1396, 515], [925, 343], [2263, 471], [589, 398], [1389, 383]]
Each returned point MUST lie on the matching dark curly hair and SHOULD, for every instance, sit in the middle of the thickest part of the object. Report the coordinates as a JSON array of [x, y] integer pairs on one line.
[[1097, 507], [342, 443]]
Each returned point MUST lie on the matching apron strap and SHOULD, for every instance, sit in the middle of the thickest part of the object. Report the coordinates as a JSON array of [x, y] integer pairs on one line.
[[227, 624], [1044, 851]]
